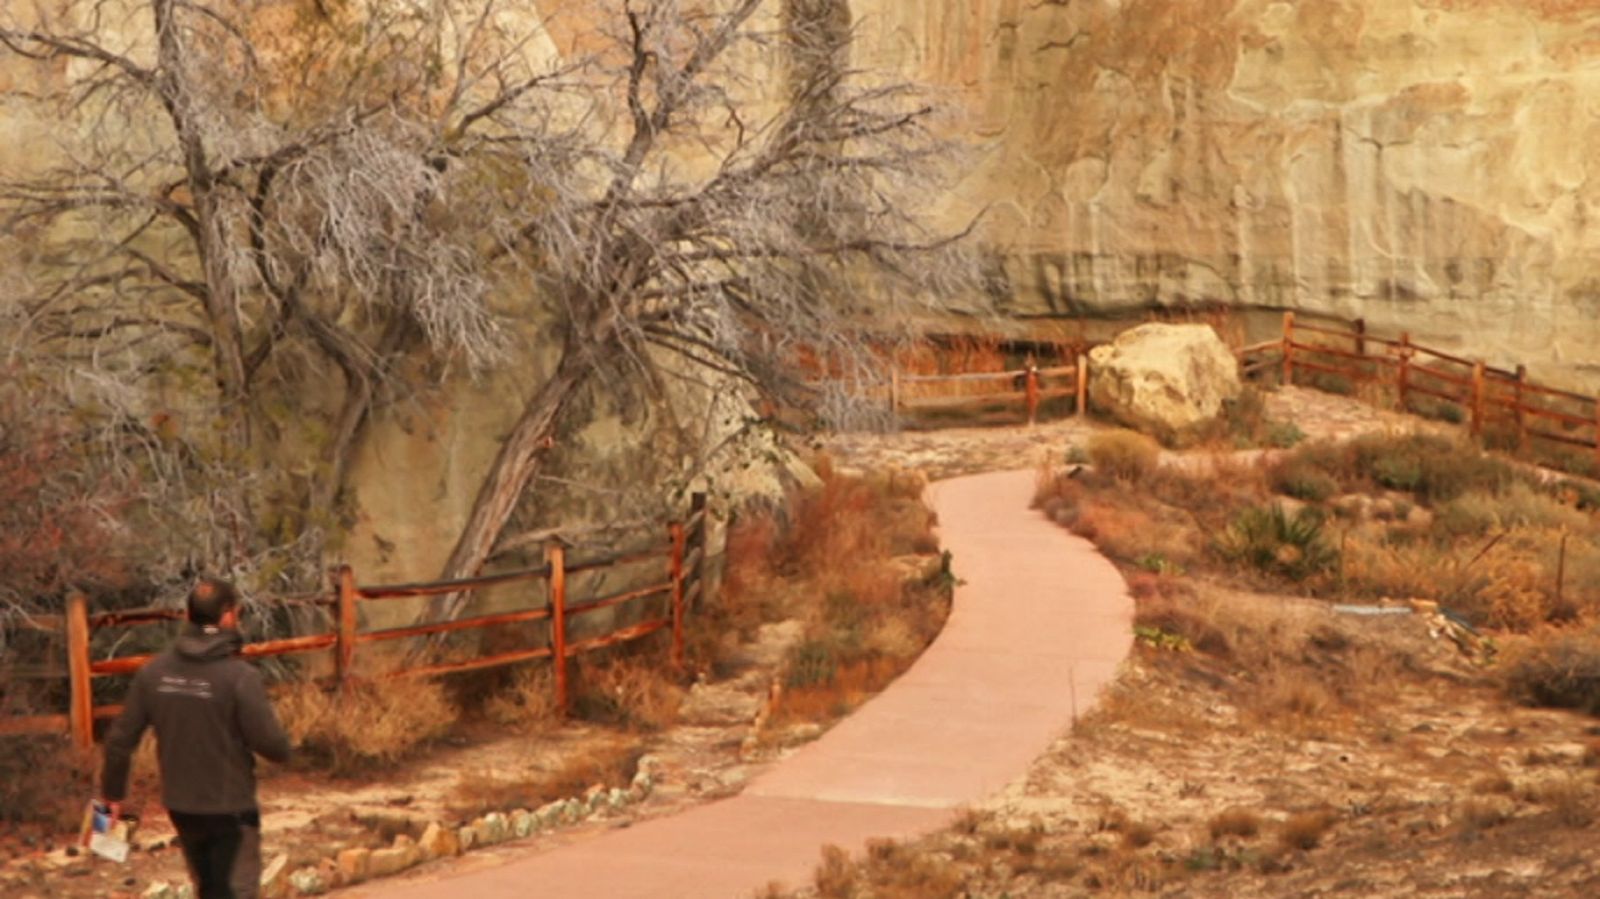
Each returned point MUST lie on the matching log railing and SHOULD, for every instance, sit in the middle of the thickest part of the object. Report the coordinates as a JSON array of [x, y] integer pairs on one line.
[[1030, 386], [1486, 395], [682, 553]]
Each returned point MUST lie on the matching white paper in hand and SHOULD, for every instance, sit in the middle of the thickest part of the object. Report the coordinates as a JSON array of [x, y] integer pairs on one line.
[[107, 846]]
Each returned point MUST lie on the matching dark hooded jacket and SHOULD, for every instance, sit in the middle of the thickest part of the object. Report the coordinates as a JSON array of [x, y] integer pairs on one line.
[[211, 716]]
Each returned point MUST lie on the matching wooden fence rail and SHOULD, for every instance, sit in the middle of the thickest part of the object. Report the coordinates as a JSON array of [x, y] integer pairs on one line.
[[683, 553], [1026, 384], [1487, 395]]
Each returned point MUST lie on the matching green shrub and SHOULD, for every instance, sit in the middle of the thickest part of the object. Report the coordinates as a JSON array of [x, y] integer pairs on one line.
[[1303, 481], [1272, 541], [811, 663], [1435, 469], [1562, 671], [1284, 434], [1126, 455]]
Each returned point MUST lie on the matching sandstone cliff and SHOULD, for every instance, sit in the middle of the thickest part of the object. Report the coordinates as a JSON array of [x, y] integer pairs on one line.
[[1420, 163]]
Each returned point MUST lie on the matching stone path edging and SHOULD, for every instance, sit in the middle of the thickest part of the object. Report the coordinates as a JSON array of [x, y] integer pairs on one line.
[[1039, 625]]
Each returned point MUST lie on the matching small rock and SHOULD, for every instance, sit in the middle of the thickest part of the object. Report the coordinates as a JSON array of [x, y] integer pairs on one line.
[[466, 838], [439, 842], [274, 878], [522, 823], [549, 814], [572, 811], [160, 889], [491, 829], [308, 881], [330, 873], [393, 860], [353, 864], [617, 799], [412, 850]]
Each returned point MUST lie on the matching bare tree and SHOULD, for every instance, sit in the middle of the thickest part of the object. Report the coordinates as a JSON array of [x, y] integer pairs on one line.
[[386, 185], [244, 234], [739, 224]]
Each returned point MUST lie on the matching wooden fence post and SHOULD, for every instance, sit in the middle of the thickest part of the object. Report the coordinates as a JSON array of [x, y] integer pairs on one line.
[[1403, 370], [702, 542], [80, 714], [1477, 399], [1083, 384], [555, 557], [345, 600], [1522, 419], [1288, 348], [1361, 336], [1561, 568], [1031, 389], [1597, 431], [675, 572], [894, 390]]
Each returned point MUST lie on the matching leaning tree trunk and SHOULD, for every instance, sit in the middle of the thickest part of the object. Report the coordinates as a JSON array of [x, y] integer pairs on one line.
[[514, 467]]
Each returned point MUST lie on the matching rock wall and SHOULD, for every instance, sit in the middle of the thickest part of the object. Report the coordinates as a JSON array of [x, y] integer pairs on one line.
[[1423, 164]]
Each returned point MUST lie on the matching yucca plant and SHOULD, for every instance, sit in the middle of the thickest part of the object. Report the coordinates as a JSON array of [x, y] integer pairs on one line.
[[1271, 540]]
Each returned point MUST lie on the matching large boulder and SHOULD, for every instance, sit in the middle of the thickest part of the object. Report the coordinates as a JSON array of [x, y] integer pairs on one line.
[[1167, 380]]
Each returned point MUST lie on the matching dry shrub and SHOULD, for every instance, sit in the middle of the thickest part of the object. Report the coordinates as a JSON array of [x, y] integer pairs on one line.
[[1138, 834], [1235, 822], [1574, 801], [528, 703], [1483, 812], [1295, 697], [835, 875], [1126, 455], [748, 567], [634, 691], [844, 687], [1305, 830], [1435, 469], [365, 723], [1496, 783], [607, 764], [44, 780], [1559, 668]]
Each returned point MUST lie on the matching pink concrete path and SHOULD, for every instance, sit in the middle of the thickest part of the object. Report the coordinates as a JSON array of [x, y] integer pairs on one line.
[[1039, 625]]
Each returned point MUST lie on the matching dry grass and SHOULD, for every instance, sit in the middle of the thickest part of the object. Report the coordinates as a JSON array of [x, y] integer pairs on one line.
[[1234, 822], [637, 691], [1128, 456], [365, 724], [889, 872], [1305, 830], [45, 780], [607, 764], [1559, 667], [833, 566], [528, 704]]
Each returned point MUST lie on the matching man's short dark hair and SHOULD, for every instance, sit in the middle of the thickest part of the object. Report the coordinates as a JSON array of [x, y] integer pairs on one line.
[[210, 599]]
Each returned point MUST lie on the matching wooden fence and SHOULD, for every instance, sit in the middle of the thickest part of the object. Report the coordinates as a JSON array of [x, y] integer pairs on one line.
[[1487, 397], [1027, 385], [683, 553]]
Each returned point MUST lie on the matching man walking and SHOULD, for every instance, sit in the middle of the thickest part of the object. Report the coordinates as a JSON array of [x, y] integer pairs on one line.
[[211, 716]]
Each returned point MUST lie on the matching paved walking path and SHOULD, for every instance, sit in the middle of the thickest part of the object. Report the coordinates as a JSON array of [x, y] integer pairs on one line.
[[1039, 625]]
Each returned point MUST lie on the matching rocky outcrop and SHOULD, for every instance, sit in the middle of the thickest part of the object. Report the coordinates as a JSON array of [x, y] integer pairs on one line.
[[1169, 380], [1419, 163]]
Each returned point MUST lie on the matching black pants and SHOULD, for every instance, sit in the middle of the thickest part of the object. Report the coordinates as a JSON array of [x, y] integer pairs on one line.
[[223, 852]]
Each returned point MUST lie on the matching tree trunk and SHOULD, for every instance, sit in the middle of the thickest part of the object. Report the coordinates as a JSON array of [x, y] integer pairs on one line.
[[210, 233], [514, 467]]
